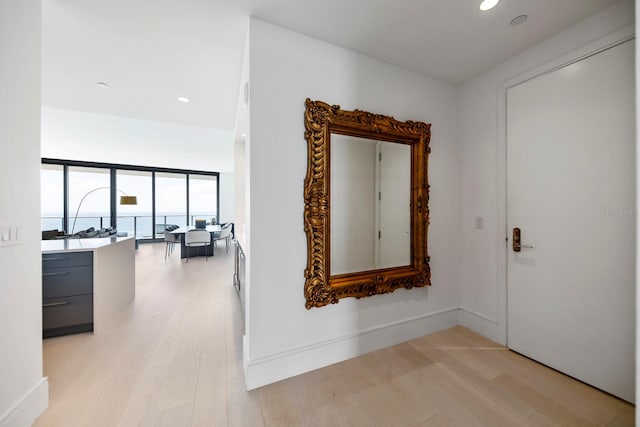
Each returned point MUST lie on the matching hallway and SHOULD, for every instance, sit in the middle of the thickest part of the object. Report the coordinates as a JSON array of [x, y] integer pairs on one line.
[[175, 359]]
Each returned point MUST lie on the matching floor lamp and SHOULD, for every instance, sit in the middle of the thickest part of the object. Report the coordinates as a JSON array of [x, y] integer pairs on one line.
[[125, 199]]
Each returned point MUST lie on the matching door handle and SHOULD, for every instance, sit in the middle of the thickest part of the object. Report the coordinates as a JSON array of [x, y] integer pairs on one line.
[[516, 242]]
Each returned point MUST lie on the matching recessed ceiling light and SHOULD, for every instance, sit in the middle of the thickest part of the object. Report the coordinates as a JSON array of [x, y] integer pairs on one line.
[[244, 135], [103, 84], [183, 99], [518, 19], [488, 4]]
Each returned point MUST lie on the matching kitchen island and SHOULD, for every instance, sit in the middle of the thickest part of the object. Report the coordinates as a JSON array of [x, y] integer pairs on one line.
[[85, 283]]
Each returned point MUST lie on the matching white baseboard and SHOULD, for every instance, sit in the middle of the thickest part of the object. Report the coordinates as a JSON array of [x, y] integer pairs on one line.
[[25, 411], [269, 369], [479, 323]]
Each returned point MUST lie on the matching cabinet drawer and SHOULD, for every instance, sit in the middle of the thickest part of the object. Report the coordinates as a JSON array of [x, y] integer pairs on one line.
[[61, 312], [66, 259], [67, 281]]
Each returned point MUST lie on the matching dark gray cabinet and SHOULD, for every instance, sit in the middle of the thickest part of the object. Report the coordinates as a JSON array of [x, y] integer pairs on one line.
[[67, 281], [66, 259], [67, 293]]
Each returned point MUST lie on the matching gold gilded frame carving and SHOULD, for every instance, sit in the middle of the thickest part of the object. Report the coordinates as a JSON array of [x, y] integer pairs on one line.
[[320, 121]]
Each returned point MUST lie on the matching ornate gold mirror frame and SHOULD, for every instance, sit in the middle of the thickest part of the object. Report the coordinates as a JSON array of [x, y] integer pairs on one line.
[[321, 120]]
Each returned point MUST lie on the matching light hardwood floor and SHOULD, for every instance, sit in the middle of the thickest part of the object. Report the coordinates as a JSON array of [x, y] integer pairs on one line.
[[175, 359]]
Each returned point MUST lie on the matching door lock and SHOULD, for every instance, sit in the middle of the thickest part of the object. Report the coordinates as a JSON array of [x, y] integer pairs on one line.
[[516, 242]]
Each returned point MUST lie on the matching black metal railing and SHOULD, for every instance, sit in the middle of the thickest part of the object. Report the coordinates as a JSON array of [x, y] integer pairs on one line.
[[140, 226]]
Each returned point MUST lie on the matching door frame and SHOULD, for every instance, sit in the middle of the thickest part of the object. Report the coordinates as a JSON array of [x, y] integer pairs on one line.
[[607, 42]]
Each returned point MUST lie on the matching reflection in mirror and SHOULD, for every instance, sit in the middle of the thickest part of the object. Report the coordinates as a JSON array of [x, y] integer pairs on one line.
[[370, 204]]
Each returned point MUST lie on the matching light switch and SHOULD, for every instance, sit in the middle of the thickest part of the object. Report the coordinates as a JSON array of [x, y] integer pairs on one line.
[[9, 235], [479, 223]]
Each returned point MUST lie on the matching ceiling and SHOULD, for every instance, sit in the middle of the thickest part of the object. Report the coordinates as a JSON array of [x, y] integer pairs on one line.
[[152, 51]]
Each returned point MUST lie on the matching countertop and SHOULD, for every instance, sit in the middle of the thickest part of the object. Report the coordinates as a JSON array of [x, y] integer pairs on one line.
[[79, 245]]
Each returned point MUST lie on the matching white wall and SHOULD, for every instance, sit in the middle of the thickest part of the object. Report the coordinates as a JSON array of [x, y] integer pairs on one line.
[[23, 391], [482, 297], [239, 192], [637, 64], [241, 141], [227, 196], [285, 338]]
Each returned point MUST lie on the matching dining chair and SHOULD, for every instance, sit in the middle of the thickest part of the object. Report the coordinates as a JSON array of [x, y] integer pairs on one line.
[[170, 240], [225, 234], [197, 238]]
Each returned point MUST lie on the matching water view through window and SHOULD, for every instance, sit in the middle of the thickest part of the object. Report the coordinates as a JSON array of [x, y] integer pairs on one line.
[[171, 201], [203, 198], [135, 220], [89, 186], [52, 197], [179, 198]]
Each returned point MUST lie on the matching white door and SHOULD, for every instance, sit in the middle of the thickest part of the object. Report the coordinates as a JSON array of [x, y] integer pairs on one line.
[[394, 205], [571, 191], [353, 201]]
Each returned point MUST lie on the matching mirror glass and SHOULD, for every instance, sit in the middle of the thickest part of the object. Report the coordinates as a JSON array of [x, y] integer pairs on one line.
[[370, 204]]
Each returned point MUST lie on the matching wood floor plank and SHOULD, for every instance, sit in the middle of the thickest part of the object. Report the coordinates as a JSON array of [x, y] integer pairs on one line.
[[435, 421], [405, 358], [311, 404], [383, 411], [482, 406], [622, 420], [593, 404], [408, 399], [277, 405], [538, 420], [466, 351], [243, 408], [181, 385], [446, 405], [210, 402], [547, 406], [503, 398], [143, 407], [176, 416], [339, 400]]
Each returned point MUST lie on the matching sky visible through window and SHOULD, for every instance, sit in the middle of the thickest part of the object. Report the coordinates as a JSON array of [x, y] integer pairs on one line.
[[95, 209]]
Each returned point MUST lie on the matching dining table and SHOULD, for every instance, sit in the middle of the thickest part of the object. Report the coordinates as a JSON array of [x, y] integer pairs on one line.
[[208, 250]]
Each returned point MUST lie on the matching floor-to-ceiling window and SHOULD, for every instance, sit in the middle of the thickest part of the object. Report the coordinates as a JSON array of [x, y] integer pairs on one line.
[[89, 198], [171, 200], [52, 197], [203, 198], [135, 220], [77, 195]]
